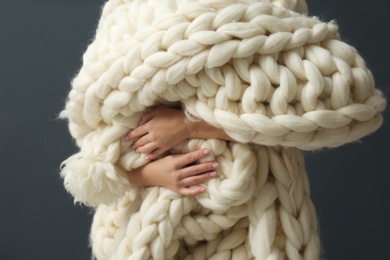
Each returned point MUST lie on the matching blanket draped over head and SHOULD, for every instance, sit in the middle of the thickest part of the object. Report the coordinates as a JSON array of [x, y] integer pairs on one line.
[[276, 80]]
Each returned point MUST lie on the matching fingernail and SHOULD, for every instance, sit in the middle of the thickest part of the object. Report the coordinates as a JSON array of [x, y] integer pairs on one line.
[[133, 147], [206, 151], [213, 174], [215, 165], [127, 138], [202, 189]]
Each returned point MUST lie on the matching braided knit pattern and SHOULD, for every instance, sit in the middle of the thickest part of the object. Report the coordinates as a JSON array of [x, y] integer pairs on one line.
[[273, 78]]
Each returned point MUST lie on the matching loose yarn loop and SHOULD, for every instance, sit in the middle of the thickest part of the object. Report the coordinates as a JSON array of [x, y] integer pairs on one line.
[[273, 78]]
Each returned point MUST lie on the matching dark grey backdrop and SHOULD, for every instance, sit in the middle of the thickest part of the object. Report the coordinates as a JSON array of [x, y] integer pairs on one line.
[[41, 44]]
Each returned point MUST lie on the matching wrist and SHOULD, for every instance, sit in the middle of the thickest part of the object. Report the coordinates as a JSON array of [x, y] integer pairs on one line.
[[137, 177], [201, 129], [192, 129]]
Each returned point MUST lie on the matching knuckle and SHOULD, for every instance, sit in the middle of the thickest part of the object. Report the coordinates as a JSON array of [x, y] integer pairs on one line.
[[175, 164], [190, 171], [207, 177], [156, 153], [201, 169], [210, 166], [142, 149], [202, 178], [134, 132], [152, 156], [176, 177]]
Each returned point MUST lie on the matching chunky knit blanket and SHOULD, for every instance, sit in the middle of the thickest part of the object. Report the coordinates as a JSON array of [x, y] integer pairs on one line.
[[274, 79]]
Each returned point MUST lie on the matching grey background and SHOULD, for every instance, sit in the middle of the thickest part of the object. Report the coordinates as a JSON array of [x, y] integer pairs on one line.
[[41, 44]]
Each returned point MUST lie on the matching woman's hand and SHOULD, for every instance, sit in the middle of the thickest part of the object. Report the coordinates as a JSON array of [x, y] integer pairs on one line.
[[161, 129], [179, 173], [158, 131]]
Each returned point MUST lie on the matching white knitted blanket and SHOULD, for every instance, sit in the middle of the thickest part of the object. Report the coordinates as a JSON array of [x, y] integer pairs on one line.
[[273, 78]]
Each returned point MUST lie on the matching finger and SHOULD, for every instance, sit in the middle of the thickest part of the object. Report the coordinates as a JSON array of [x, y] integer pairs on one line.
[[191, 157], [198, 169], [156, 153], [147, 148], [147, 116], [140, 142], [137, 132], [198, 179], [192, 191]]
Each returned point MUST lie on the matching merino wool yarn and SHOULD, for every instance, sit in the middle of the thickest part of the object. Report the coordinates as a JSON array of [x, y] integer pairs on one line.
[[274, 79]]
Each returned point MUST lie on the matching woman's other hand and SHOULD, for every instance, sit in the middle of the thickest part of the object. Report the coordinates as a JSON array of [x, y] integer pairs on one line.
[[180, 173]]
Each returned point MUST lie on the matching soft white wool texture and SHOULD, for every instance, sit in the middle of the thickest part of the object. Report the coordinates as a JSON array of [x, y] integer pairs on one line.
[[275, 79]]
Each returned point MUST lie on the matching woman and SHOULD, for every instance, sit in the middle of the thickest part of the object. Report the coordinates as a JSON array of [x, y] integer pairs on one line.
[[256, 82]]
